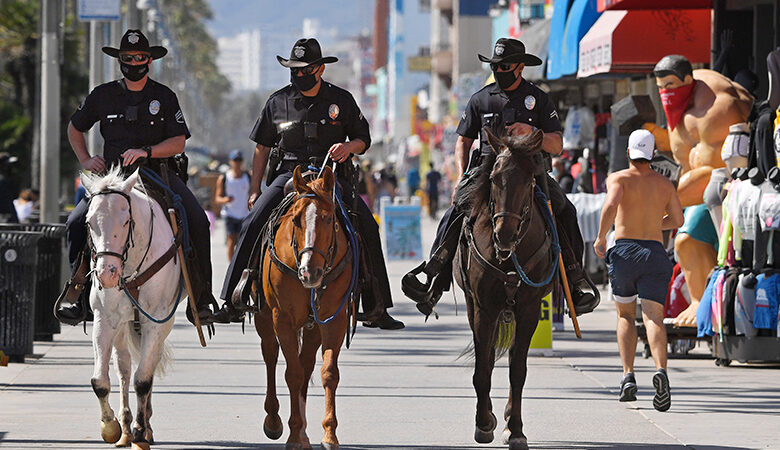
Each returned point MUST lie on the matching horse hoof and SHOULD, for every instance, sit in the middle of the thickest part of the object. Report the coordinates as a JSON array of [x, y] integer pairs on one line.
[[330, 445], [518, 443], [140, 446], [486, 436], [149, 436], [506, 436], [125, 440], [111, 431], [271, 431]]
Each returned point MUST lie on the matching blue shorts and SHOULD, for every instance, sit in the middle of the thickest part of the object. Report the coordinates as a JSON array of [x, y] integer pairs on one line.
[[639, 267], [232, 225]]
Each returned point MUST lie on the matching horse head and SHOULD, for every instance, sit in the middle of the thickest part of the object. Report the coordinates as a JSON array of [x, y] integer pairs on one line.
[[512, 188], [314, 227], [110, 223]]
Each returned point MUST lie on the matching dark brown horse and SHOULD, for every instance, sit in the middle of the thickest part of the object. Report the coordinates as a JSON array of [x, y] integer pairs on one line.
[[507, 233], [308, 252]]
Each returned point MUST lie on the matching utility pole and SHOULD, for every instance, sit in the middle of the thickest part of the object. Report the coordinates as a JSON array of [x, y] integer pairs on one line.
[[96, 37], [50, 111]]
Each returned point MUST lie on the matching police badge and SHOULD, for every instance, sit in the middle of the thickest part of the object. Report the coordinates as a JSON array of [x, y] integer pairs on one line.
[[299, 51], [499, 49], [530, 102], [333, 111], [154, 107], [133, 38]]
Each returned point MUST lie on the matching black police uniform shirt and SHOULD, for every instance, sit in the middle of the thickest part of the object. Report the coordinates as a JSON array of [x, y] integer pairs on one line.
[[493, 107], [305, 127], [131, 119]]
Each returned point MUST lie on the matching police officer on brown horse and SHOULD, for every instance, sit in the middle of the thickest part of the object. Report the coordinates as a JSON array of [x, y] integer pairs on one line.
[[306, 121]]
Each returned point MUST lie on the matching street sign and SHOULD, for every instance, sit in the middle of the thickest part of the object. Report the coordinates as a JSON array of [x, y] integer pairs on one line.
[[418, 63], [99, 10]]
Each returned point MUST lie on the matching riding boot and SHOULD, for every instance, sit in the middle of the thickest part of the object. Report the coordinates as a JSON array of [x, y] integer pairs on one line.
[[438, 271], [76, 292], [579, 283], [201, 289]]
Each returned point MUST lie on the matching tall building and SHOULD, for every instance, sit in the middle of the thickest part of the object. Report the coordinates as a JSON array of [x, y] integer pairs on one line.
[[239, 60]]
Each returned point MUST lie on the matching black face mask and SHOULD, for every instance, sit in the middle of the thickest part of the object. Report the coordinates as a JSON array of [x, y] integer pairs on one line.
[[134, 73], [304, 82], [505, 79]]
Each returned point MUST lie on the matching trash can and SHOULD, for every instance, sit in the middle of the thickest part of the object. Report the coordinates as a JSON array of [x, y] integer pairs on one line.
[[18, 258], [48, 270]]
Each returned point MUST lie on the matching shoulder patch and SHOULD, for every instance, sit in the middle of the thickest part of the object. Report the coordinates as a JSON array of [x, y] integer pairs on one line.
[[554, 113], [179, 116]]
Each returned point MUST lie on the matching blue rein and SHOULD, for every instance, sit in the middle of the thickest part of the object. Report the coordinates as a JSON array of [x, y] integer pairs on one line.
[[353, 243], [548, 218], [147, 315]]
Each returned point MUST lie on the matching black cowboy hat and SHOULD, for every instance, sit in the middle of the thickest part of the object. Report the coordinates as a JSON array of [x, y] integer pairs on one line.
[[509, 50], [305, 52], [135, 41]]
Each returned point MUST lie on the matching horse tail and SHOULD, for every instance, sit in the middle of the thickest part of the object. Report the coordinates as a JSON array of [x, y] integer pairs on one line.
[[166, 355], [503, 339]]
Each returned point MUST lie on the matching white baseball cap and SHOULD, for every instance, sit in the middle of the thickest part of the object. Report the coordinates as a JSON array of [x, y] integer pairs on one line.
[[641, 145]]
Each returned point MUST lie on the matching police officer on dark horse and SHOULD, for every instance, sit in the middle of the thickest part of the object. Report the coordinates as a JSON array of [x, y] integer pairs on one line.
[[139, 118], [510, 106], [304, 122]]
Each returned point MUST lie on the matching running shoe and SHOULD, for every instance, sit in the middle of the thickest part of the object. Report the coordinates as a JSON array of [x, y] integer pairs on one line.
[[628, 388], [663, 394]]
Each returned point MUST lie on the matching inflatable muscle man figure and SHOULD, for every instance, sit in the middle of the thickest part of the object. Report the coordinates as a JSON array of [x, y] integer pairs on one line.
[[700, 107]]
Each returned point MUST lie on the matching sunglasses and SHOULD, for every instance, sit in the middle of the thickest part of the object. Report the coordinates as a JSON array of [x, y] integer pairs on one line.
[[502, 66], [129, 58], [308, 70]]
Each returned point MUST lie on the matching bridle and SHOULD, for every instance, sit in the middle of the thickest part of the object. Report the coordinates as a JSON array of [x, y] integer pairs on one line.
[[130, 223], [522, 218], [332, 248]]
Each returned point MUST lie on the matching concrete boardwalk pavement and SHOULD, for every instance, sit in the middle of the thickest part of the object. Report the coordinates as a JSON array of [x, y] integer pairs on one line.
[[398, 389]]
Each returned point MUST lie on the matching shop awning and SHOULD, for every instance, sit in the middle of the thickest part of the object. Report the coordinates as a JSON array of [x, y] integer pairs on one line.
[[555, 43], [634, 41], [535, 38], [582, 16], [653, 4]]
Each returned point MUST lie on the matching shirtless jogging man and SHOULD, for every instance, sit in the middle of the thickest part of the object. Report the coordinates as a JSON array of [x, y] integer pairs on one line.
[[641, 203]]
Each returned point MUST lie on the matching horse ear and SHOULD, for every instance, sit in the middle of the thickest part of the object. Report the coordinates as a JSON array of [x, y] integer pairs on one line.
[[535, 140], [495, 142], [328, 180], [298, 182], [130, 181]]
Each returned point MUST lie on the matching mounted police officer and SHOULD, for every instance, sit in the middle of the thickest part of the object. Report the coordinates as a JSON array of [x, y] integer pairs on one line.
[[303, 122], [139, 118], [513, 106]]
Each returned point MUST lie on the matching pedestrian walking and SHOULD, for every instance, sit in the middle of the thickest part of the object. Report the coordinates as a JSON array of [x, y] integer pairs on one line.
[[232, 193], [432, 179], [641, 203], [25, 204]]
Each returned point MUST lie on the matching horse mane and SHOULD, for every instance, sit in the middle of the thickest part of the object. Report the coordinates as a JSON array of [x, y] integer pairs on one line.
[[114, 179], [474, 196]]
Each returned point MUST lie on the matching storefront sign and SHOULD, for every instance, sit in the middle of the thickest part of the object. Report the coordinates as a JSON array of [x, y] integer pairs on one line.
[[666, 167], [400, 226], [98, 10], [541, 342], [418, 63]]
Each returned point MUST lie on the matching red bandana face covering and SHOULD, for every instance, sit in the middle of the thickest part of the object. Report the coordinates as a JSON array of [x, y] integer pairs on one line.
[[675, 102]]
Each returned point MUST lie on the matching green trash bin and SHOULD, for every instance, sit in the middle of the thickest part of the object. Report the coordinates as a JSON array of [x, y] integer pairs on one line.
[[48, 270], [18, 259]]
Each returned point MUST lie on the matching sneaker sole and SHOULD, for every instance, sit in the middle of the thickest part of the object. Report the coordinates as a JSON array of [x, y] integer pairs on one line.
[[663, 396], [628, 393]]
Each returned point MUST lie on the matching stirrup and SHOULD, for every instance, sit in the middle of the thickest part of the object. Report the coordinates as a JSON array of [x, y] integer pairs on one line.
[[413, 288], [70, 286], [240, 297]]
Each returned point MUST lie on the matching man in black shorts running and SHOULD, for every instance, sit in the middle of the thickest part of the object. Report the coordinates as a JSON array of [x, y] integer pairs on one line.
[[641, 203]]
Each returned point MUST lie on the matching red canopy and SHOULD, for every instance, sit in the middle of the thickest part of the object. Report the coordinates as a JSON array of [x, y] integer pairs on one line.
[[653, 4], [634, 41]]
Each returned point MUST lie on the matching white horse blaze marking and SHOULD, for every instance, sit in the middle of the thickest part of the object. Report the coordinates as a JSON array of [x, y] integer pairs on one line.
[[311, 232]]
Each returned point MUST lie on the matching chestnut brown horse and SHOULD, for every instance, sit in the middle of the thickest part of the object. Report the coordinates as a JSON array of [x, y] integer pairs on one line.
[[309, 252], [506, 259]]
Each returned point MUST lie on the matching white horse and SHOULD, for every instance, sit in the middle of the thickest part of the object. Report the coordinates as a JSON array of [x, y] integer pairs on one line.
[[128, 232]]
